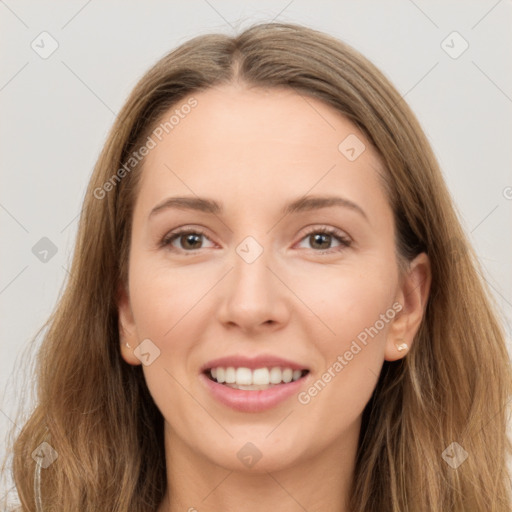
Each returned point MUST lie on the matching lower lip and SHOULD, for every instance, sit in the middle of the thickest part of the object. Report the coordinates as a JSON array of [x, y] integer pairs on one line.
[[252, 401]]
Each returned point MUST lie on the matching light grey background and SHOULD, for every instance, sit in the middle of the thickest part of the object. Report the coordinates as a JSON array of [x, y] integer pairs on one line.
[[55, 114]]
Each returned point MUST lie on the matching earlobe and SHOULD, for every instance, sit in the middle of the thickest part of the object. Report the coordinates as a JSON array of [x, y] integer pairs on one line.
[[413, 296], [126, 327]]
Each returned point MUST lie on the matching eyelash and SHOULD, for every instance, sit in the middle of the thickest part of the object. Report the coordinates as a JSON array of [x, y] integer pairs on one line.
[[336, 234]]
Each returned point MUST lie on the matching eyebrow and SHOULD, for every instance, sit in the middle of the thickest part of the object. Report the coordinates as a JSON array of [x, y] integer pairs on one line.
[[302, 204]]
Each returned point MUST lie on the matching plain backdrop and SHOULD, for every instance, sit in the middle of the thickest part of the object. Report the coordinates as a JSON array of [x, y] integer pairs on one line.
[[449, 60]]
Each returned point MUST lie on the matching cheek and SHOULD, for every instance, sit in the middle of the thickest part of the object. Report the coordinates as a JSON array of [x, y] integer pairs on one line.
[[166, 305], [355, 311], [353, 306], [162, 297], [346, 300]]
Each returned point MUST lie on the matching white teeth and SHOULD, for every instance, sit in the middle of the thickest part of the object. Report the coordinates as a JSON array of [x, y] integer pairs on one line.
[[275, 375], [287, 375], [221, 375], [230, 375], [243, 376], [260, 377], [252, 379]]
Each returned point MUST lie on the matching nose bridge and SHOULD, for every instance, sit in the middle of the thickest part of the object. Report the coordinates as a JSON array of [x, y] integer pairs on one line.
[[253, 296], [250, 281]]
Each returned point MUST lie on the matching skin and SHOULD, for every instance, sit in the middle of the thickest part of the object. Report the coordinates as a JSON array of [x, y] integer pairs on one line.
[[254, 150]]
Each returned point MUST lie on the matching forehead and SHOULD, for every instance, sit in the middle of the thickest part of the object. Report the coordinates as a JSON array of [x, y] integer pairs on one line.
[[249, 143]]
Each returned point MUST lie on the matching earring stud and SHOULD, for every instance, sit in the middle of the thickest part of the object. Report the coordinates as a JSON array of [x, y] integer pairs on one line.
[[401, 347]]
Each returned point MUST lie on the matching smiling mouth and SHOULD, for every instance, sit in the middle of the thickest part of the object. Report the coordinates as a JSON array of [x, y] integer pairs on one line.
[[254, 380]]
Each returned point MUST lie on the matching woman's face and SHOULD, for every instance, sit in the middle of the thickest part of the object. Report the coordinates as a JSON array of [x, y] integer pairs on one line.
[[267, 272]]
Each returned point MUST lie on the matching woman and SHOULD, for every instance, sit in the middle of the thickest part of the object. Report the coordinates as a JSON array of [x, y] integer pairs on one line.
[[272, 303]]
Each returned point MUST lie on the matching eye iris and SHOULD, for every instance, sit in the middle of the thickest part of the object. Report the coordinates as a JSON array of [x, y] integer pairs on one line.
[[318, 238], [192, 241]]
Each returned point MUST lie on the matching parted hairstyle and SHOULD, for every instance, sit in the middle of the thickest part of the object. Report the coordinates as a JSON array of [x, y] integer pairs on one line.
[[95, 410]]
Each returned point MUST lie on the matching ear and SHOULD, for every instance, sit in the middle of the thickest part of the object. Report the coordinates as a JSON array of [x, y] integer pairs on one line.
[[126, 324], [412, 295]]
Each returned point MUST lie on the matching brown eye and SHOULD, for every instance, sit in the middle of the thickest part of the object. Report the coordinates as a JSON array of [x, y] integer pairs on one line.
[[322, 239], [185, 240], [190, 241]]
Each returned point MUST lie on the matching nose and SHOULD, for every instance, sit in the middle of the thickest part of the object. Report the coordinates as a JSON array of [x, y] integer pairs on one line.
[[254, 298]]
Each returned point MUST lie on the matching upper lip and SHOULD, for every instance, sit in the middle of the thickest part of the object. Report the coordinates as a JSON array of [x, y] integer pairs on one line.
[[261, 361]]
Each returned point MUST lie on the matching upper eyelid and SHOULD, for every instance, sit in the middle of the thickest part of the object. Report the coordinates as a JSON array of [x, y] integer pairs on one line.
[[328, 229]]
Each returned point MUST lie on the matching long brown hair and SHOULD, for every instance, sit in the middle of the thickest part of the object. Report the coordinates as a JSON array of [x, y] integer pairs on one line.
[[95, 410]]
